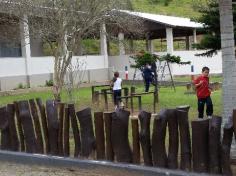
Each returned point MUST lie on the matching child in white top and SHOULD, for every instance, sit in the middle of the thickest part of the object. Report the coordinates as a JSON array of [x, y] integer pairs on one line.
[[116, 87]]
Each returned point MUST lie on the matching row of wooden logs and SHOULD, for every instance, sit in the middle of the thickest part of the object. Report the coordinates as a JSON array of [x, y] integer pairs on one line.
[[32, 128]]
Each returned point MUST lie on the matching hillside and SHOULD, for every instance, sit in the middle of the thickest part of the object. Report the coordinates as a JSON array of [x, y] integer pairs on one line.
[[181, 8]]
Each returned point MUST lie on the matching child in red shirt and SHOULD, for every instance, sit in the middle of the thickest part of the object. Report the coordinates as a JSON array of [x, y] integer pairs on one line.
[[203, 93]]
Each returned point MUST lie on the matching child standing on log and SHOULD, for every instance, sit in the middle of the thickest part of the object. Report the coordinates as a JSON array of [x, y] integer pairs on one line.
[[203, 93], [116, 85]]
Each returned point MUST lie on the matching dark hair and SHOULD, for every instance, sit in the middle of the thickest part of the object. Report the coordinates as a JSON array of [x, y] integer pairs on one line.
[[116, 74], [205, 68]]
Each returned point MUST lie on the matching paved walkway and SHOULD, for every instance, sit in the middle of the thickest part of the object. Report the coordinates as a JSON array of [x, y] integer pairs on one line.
[[12, 169]]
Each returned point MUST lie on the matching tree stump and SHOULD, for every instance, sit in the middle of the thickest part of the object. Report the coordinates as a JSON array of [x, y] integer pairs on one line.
[[37, 127], [20, 128], [12, 127], [53, 126], [200, 133], [88, 144], [44, 124], [215, 145], [99, 133], [75, 129], [119, 136], [5, 130], [144, 136], [108, 123], [158, 140], [225, 149], [66, 133], [173, 138], [27, 124], [185, 141], [135, 137]]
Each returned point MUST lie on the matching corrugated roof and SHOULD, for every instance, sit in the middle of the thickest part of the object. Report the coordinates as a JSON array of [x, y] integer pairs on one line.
[[167, 20]]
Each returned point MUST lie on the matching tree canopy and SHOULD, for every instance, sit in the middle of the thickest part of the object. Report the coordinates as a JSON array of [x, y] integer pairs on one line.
[[210, 17]]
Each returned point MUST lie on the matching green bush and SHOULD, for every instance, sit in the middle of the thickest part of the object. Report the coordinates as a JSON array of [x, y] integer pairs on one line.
[[49, 83]]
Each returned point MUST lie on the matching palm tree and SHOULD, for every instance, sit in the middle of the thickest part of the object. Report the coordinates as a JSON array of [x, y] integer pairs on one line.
[[228, 58]]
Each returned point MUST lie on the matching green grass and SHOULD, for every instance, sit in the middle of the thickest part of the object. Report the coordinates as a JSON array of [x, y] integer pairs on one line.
[[167, 99], [182, 8], [213, 78]]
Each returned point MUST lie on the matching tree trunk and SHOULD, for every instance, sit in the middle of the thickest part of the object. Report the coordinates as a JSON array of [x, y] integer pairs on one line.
[[200, 133], [27, 124], [88, 143], [215, 145], [144, 136], [37, 126], [173, 138], [158, 140], [225, 149], [185, 141], [99, 133], [119, 136], [12, 127], [228, 57], [75, 129], [53, 126]]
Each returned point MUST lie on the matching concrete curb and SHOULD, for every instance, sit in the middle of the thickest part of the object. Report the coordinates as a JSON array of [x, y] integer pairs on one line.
[[55, 161]]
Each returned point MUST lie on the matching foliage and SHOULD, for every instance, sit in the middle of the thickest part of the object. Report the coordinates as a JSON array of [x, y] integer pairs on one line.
[[211, 19], [49, 83], [143, 58]]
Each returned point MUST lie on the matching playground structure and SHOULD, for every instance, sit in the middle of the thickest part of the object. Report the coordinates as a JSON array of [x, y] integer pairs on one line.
[[32, 127], [128, 94]]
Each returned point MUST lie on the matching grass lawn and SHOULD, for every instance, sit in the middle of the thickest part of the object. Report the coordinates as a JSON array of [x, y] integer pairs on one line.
[[167, 99]]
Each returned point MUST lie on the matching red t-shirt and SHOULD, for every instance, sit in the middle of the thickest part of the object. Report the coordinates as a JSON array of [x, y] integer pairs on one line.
[[202, 90]]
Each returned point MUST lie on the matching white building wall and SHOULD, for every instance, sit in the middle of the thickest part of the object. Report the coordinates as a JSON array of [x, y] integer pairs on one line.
[[214, 63]]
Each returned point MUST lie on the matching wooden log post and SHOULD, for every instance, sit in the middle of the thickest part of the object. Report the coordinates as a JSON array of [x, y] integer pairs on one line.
[[88, 142], [5, 130], [104, 92], [215, 145], [75, 129], [144, 135], [119, 136], [92, 89], [225, 149], [185, 141], [200, 134], [96, 97], [43, 117], [61, 109], [20, 128], [66, 133], [99, 133], [132, 91], [108, 144], [37, 127], [158, 140], [173, 138], [27, 124], [53, 126], [135, 137], [12, 127], [126, 94]]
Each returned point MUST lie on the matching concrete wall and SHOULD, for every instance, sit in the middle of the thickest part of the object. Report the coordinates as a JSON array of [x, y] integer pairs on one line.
[[214, 63], [12, 70]]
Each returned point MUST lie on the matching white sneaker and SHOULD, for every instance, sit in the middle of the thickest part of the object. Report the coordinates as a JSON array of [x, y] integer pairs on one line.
[[209, 117]]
